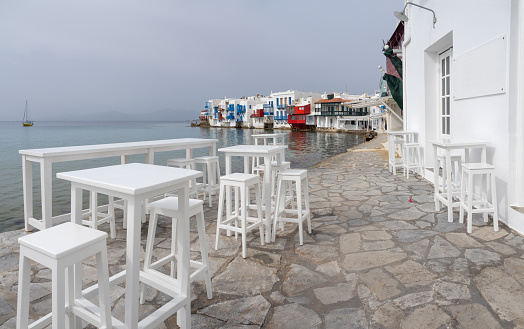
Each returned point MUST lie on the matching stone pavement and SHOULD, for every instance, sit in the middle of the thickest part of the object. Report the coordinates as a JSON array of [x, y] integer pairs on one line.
[[374, 260]]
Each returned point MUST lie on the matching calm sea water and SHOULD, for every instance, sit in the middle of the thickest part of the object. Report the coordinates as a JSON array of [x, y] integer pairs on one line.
[[305, 149]]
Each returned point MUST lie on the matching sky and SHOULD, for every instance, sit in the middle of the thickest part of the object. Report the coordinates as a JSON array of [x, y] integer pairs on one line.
[[74, 59]]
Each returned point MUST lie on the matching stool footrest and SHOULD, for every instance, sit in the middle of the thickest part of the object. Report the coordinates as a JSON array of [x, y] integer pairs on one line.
[[42, 322]]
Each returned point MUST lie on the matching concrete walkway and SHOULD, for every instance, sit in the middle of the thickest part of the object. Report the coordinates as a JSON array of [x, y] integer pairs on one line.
[[374, 260]]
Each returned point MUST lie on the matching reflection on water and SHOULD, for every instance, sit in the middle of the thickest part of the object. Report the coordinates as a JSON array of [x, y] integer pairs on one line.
[[304, 150]]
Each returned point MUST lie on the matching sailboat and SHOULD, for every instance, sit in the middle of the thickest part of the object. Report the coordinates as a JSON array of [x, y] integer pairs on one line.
[[26, 122]]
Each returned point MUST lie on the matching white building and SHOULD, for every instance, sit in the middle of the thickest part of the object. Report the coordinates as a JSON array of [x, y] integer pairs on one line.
[[464, 78]]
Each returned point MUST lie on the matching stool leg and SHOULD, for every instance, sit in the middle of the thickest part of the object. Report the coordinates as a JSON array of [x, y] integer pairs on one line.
[[70, 296], [308, 210], [495, 203], [201, 228], [174, 246], [208, 186], [244, 199], [470, 202], [58, 297], [103, 288], [237, 213], [462, 201], [484, 188], [204, 180], [220, 210], [258, 200], [24, 280], [277, 209], [299, 211], [153, 218]]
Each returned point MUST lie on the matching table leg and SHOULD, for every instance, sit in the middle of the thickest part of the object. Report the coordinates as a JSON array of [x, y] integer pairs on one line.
[[184, 314], [228, 190], [484, 183], [46, 167], [132, 262], [76, 217], [267, 195], [449, 186], [436, 178], [213, 149], [246, 165], [27, 183]]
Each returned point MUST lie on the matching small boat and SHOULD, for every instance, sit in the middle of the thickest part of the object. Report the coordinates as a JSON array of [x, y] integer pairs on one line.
[[26, 122]]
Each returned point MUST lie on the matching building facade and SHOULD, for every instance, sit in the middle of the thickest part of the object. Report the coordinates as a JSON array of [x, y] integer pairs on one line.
[[464, 78]]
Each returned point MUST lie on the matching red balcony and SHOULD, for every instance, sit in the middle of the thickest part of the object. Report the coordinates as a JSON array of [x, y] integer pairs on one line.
[[258, 113]]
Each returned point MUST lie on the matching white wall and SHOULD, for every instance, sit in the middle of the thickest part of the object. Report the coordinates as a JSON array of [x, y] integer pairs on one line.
[[465, 26]]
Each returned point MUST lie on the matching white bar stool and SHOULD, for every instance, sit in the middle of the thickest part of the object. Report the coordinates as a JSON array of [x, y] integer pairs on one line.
[[412, 158], [187, 164], [169, 207], [241, 184], [299, 176], [275, 169], [394, 162], [93, 215], [469, 170], [59, 248], [211, 175], [456, 171]]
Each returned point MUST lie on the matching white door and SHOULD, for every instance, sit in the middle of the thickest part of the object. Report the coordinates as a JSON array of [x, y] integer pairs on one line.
[[445, 94]]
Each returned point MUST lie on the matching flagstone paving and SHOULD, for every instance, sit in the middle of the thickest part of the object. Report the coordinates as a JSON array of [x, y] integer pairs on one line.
[[375, 259]]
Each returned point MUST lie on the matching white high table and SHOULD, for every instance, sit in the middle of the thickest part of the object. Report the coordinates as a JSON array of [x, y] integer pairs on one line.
[[47, 156], [406, 136], [447, 145], [267, 152], [265, 138], [136, 182]]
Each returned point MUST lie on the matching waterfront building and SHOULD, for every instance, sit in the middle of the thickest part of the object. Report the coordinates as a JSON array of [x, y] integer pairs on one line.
[[464, 78]]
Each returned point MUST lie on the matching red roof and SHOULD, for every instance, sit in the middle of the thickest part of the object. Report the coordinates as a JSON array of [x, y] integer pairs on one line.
[[333, 100]]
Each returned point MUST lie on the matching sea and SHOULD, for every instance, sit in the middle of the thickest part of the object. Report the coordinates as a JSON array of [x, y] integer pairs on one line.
[[304, 150]]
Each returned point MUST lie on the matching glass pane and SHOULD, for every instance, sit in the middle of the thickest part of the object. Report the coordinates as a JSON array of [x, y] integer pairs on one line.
[[447, 85], [447, 65], [443, 125], [448, 119], [443, 106], [443, 87], [443, 67], [448, 105]]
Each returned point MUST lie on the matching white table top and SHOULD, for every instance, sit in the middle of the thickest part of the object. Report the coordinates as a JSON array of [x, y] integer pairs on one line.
[[131, 178], [81, 149], [258, 149], [401, 132], [459, 143], [269, 135]]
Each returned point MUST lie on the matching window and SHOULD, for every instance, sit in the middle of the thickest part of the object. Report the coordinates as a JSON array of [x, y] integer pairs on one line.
[[445, 93]]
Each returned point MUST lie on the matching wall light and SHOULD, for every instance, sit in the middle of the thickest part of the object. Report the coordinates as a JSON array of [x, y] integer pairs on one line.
[[402, 16]]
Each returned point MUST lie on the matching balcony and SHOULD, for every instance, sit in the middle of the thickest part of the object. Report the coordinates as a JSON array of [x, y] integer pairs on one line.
[[267, 106], [343, 113], [281, 106], [268, 113], [257, 114], [231, 116]]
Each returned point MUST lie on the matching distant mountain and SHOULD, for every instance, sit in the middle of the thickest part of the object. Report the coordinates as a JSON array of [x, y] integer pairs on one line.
[[159, 115]]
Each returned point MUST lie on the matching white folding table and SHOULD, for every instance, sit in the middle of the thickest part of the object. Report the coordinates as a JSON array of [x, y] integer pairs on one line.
[[447, 145], [47, 156], [136, 182], [267, 152]]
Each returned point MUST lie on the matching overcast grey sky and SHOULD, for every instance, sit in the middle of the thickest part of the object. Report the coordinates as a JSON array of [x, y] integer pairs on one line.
[[78, 57]]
